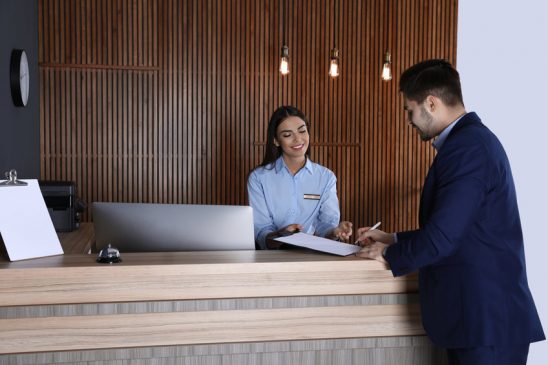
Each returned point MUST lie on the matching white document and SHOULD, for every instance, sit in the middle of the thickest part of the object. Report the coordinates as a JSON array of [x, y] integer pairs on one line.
[[25, 223], [320, 244]]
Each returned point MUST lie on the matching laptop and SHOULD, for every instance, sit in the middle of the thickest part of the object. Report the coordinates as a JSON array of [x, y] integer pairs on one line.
[[138, 227]]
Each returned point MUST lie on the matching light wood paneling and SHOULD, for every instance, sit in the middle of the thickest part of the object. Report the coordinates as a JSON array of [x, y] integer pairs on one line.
[[168, 101], [200, 305], [384, 350], [193, 275], [161, 329]]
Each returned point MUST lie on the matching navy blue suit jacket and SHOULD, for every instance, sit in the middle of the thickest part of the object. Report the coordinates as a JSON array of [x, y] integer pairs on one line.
[[469, 247]]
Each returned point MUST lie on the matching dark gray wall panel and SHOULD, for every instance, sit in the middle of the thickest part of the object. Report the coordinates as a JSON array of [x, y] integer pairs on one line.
[[19, 126]]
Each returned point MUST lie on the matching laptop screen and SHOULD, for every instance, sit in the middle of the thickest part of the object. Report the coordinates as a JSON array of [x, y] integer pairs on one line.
[[138, 227]]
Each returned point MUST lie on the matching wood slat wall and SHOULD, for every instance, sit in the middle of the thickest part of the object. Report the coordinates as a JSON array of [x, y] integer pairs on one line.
[[168, 101]]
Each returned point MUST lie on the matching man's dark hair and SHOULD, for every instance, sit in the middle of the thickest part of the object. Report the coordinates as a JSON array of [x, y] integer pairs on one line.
[[432, 77]]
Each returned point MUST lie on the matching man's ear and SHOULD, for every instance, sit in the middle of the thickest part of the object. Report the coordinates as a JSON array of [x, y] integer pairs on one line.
[[432, 103]]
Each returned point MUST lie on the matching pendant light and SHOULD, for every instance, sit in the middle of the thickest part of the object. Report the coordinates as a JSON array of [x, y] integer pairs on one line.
[[386, 69], [334, 63], [334, 54], [284, 58], [386, 74]]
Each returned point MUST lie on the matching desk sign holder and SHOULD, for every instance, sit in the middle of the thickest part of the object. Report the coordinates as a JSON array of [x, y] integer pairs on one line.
[[25, 224]]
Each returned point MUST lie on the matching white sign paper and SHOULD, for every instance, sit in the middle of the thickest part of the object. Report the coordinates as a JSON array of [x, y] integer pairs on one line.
[[320, 244], [25, 224]]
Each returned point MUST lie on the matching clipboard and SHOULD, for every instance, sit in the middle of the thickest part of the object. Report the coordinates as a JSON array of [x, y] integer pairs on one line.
[[26, 229], [319, 244]]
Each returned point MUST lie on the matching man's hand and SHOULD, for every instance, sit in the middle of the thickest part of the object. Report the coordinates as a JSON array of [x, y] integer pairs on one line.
[[373, 251], [368, 237]]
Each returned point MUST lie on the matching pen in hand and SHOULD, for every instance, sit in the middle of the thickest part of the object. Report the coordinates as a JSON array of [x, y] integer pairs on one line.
[[375, 226]]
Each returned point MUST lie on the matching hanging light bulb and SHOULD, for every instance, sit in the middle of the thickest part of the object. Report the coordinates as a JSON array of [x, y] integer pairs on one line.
[[386, 68], [284, 61], [334, 63]]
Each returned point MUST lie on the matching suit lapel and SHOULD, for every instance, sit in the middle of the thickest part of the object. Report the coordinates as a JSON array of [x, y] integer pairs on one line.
[[426, 194], [430, 181]]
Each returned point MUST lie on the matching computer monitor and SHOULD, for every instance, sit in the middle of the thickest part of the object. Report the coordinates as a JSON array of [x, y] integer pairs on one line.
[[137, 227]]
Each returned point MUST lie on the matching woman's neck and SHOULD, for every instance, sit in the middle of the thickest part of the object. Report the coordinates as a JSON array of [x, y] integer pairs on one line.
[[294, 164]]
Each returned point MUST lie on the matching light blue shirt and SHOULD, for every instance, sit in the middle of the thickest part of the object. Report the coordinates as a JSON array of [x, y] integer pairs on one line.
[[438, 142], [278, 198]]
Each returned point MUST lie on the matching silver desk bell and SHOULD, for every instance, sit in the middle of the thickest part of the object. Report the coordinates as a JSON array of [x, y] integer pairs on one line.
[[109, 255]]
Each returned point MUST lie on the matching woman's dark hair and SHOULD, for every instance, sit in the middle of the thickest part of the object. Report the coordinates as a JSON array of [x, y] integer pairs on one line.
[[432, 77], [272, 152]]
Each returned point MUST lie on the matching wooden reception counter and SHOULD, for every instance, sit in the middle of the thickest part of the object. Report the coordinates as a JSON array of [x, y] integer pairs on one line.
[[252, 306]]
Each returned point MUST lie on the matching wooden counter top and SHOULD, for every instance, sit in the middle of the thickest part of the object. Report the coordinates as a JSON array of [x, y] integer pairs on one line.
[[195, 258], [71, 279]]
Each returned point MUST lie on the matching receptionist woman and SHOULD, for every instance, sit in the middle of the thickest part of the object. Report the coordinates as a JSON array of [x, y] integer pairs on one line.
[[289, 192]]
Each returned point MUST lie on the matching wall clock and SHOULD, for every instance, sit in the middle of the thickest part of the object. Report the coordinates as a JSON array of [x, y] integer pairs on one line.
[[19, 77]]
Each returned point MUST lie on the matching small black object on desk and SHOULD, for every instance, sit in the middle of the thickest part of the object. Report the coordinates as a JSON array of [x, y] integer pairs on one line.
[[109, 255], [63, 205]]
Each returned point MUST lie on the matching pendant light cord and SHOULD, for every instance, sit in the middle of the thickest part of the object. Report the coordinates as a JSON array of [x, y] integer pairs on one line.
[[283, 23], [387, 19], [335, 23]]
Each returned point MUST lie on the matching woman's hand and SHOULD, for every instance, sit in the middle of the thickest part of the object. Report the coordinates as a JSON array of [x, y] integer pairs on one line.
[[292, 228], [343, 231], [287, 230]]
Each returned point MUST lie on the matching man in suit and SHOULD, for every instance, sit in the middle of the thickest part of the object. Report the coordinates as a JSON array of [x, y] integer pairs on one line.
[[475, 300]]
